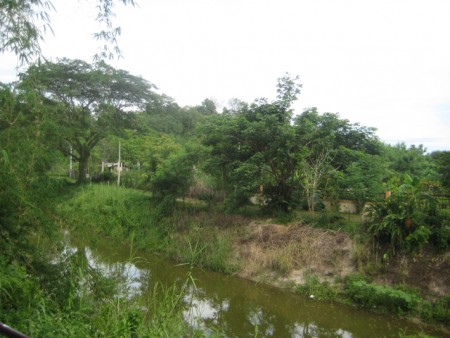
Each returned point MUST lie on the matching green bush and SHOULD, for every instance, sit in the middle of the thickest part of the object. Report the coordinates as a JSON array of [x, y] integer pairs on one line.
[[417, 239], [372, 295], [440, 236], [69, 298], [408, 219]]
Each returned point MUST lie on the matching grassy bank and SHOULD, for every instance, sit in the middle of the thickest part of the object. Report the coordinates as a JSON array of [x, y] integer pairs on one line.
[[237, 244], [46, 291], [189, 235], [68, 299]]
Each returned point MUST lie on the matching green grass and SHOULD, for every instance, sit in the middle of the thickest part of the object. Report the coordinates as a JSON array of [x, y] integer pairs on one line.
[[70, 299], [189, 234], [318, 290]]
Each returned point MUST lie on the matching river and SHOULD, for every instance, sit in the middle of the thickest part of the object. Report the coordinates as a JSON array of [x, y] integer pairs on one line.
[[237, 306]]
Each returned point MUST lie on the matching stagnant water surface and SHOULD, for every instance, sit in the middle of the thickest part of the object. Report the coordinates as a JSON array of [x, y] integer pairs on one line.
[[237, 306]]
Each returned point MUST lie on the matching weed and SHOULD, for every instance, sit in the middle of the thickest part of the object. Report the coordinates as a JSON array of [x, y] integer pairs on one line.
[[326, 219], [316, 289]]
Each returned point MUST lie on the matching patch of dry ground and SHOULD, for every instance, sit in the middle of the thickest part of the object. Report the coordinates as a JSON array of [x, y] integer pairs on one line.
[[278, 254]]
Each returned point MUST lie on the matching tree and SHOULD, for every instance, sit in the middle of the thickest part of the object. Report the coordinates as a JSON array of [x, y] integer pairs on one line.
[[442, 159], [311, 173], [208, 107], [25, 22], [328, 130], [88, 101], [257, 146], [410, 160], [363, 179]]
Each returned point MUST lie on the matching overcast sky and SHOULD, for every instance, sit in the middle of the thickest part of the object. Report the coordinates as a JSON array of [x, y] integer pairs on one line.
[[383, 64]]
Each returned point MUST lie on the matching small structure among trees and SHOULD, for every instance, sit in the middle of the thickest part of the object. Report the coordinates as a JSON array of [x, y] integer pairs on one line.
[[115, 167]]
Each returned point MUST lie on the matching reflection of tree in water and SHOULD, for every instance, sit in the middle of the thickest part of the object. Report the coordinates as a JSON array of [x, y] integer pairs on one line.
[[203, 312], [237, 314], [105, 279], [312, 330]]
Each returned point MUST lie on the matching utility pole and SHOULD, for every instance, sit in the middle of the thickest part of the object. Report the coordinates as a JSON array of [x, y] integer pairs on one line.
[[119, 168]]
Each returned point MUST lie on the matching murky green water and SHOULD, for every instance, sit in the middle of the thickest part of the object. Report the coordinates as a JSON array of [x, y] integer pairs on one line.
[[237, 306]]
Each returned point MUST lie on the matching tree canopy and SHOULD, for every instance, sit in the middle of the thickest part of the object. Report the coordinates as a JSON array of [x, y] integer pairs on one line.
[[88, 101]]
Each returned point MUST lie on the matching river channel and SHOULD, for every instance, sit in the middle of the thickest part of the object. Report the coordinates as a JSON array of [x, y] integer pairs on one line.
[[236, 306]]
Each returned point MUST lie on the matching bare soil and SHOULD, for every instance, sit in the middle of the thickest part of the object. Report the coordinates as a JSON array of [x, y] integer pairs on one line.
[[284, 254]]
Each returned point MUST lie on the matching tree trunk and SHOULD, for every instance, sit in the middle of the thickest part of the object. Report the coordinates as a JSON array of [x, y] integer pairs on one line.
[[83, 165]]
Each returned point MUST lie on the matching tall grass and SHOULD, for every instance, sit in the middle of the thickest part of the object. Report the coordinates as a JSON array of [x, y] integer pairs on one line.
[[188, 235], [69, 298]]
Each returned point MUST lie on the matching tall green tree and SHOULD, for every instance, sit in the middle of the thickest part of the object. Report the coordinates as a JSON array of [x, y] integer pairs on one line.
[[208, 107], [364, 179], [257, 147], [442, 160], [88, 101], [412, 160], [319, 131]]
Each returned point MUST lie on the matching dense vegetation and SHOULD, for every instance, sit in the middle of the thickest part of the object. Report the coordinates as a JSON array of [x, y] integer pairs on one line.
[[256, 151]]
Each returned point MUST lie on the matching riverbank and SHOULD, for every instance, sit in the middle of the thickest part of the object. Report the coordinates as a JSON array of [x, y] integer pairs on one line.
[[321, 263]]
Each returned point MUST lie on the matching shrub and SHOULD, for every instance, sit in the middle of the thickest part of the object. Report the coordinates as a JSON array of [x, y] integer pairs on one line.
[[372, 295], [441, 236], [416, 240], [408, 219]]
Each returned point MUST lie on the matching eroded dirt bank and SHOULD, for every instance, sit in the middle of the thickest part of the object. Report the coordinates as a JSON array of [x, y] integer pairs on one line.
[[284, 254]]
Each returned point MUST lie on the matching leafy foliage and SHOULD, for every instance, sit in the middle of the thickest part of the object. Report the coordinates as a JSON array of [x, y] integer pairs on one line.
[[173, 177], [442, 159], [407, 218], [89, 101], [26, 153], [255, 147], [372, 295]]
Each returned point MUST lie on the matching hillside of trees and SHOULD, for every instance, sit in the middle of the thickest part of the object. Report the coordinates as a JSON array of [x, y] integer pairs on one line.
[[72, 109], [256, 151]]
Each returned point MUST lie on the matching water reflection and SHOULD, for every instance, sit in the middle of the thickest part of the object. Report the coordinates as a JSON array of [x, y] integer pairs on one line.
[[312, 330], [238, 307], [130, 275]]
